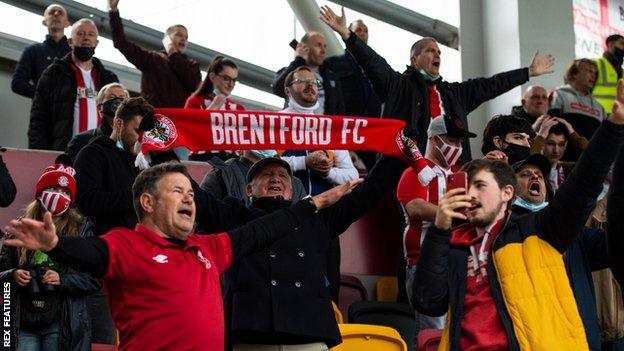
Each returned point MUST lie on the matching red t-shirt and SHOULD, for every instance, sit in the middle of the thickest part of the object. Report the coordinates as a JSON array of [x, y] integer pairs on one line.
[[481, 326], [163, 296], [409, 188]]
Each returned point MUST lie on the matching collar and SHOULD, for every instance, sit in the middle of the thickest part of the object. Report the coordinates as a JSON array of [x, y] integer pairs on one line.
[[50, 41], [152, 236], [293, 106]]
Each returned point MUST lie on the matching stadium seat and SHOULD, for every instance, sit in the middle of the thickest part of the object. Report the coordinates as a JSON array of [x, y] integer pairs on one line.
[[428, 339], [351, 290], [337, 313], [399, 316], [103, 347], [387, 289], [360, 337]]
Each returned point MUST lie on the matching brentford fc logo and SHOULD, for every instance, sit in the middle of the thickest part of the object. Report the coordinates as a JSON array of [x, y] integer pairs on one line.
[[162, 134], [63, 181]]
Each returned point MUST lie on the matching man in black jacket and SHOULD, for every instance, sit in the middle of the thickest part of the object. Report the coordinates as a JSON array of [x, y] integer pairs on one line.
[[311, 52], [37, 57], [7, 186], [64, 102], [420, 94]]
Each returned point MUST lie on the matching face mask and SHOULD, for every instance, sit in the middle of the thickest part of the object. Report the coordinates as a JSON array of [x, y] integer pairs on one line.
[[529, 206], [427, 76], [619, 53], [110, 107], [450, 153], [83, 53], [516, 153], [264, 153], [55, 202]]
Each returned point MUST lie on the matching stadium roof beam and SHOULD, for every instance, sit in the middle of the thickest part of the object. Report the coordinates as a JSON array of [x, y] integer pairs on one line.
[[406, 19], [250, 74]]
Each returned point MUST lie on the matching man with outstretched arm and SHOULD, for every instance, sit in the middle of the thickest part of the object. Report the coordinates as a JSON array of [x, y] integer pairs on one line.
[[161, 275], [501, 278]]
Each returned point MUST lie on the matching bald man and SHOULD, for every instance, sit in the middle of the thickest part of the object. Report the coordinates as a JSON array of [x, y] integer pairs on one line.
[[534, 104]]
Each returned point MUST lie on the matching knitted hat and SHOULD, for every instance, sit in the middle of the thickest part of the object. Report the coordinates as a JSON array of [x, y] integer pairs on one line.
[[57, 176]]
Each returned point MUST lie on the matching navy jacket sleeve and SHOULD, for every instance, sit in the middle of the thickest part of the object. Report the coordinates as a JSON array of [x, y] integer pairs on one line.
[[77, 283], [23, 82], [595, 245], [474, 92], [615, 220], [365, 197], [7, 186], [563, 219], [430, 293]]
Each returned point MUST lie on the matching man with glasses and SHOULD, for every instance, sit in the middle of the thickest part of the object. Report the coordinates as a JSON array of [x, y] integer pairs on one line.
[[169, 76], [64, 103], [534, 104], [311, 52]]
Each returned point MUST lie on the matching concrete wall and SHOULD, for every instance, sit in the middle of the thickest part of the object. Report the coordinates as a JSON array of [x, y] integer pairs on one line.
[[14, 110]]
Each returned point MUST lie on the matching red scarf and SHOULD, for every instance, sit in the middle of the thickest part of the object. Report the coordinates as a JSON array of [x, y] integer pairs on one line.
[[83, 117], [246, 130]]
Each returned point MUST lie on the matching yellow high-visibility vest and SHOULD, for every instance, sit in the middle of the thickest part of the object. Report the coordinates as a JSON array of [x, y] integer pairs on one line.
[[606, 84]]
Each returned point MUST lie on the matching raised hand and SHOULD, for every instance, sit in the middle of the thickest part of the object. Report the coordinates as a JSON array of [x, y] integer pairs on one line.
[[617, 114], [496, 155], [31, 234], [453, 200], [331, 196], [112, 5], [566, 124], [335, 22], [541, 64]]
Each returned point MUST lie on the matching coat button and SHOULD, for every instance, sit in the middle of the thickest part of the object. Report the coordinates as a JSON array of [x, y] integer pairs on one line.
[[298, 284], [272, 254], [273, 282], [301, 253], [296, 228]]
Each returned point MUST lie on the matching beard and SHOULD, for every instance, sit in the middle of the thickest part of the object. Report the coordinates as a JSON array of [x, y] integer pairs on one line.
[[485, 219]]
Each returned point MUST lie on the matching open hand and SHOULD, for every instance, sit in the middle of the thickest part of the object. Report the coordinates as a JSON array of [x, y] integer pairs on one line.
[[31, 234], [547, 123], [335, 22], [112, 5], [541, 64], [331, 196], [496, 155]]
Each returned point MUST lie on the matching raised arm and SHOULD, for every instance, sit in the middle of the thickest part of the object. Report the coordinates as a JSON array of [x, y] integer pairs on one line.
[[138, 56]]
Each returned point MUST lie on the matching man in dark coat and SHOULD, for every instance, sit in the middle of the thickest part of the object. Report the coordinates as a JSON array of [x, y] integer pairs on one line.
[[64, 103], [168, 76], [419, 94]]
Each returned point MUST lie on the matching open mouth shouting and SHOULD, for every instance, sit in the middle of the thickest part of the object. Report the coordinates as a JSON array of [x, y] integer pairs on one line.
[[535, 189]]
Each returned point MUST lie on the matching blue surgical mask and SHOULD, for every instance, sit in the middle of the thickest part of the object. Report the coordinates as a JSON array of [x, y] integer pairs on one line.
[[264, 153], [427, 76], [120, 145], [529, 206]]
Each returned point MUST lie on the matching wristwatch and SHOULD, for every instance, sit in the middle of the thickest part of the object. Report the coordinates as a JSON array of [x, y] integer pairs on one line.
[[311, 202]]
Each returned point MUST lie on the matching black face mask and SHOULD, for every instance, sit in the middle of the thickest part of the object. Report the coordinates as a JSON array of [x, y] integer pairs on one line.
[[270, 203], [619, 53], [110, 107], [516, 153], [83, 53]]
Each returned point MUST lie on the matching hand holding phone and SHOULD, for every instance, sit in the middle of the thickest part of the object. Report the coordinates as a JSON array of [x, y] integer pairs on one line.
[[458, 180]]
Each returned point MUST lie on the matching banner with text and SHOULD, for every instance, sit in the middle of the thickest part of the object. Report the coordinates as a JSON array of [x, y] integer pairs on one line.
[[594, 21]]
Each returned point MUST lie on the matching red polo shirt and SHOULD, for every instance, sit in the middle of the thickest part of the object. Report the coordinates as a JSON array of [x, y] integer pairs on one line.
[[163, 296]]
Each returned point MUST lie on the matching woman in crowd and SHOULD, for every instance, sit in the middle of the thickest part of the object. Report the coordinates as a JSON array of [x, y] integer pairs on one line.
[[48, 304], [213, 92]]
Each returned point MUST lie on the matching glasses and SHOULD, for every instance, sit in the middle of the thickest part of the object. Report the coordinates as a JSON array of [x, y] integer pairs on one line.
[[228, 79], [306, 81]]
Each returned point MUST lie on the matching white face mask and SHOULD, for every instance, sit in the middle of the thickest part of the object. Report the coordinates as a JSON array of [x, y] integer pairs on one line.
[[450, 153]]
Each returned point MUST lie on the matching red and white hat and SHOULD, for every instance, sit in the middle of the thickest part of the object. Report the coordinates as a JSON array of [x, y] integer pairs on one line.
[[57, 176]]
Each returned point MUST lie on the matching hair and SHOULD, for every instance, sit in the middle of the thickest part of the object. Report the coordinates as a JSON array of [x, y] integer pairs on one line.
[[502, 172], [55, 5], [148, 182], [132, 107], [99, 99], [418, 46], [291, 76], [81, 21], [216, 67], [173, 28], [613, 37], [66, 224], [574, 67], [306, 37], [560, 129], [500, 126]]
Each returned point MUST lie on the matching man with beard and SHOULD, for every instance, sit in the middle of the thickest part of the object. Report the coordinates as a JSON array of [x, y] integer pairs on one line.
[[64, 103], [105, 170], [502, 278], [37, 57], [108, 100], [420, 203]]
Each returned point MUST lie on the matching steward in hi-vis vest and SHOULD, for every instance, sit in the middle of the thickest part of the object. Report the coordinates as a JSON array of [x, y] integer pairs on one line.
[[609, 71]]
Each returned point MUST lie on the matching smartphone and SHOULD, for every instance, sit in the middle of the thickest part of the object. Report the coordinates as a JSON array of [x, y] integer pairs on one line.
[[293, 44], [457, 180]]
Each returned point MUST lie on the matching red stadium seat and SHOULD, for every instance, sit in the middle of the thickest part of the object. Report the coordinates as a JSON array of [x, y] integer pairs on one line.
[[351, 290], [103, 347]]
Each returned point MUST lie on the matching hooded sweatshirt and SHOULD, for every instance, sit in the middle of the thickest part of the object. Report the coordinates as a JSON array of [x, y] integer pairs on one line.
[[582, 111]]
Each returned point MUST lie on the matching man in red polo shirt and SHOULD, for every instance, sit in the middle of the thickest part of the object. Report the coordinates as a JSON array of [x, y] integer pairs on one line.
[[420, 203], [162, 281]]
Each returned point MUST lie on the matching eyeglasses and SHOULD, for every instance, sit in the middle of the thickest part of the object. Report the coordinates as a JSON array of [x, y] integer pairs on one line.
[[228, 79], [306, 81]]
